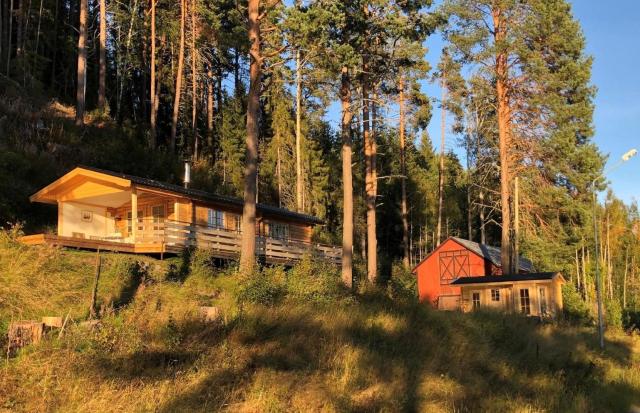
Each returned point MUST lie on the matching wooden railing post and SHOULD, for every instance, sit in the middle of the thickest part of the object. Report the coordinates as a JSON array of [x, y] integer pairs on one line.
[[134, 213]]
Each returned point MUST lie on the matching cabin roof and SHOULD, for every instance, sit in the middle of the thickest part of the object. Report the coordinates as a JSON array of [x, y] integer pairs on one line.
[[195, 194], [490, 279], [488, 252]]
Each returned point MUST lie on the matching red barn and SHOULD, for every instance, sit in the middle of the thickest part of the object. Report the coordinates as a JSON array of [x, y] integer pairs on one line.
[[455, 258]]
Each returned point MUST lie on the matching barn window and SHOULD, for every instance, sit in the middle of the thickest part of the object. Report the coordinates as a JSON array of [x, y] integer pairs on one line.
[[525, 303], [495, 295], [475, 299], [543, 300]]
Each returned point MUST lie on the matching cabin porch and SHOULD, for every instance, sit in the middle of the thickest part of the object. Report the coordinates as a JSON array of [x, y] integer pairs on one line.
[[106, 211]]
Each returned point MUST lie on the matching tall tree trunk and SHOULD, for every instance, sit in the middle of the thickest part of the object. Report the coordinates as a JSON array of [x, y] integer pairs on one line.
[[608, 260], [279, 177], [443, 125], [372, 195], [37, 47], [369, 161], [516, 224], [9, 33], [82, 64], [102, 80], [3, 13], [624, 279], [403, 180], [178, 91], [299, 181], [504, 136], [248, 250], [347, 179], [19, 22], [210, 108], [194, 82], [153, 132], [55, 47]]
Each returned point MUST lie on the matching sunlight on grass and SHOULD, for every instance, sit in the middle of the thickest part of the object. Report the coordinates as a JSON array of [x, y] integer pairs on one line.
[[309, 347]]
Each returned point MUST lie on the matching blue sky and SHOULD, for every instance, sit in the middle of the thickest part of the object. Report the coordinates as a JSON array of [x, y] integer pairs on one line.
[[612, 30]]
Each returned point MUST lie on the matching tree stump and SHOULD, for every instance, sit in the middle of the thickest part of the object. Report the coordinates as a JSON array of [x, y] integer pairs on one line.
[[210, 314], [23, 333]]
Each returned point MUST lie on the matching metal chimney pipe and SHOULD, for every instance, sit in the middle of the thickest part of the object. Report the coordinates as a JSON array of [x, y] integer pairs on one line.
[[187, 173]]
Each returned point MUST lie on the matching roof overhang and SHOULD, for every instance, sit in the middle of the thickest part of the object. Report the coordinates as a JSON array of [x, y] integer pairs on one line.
[[512, 279], [60, 189]]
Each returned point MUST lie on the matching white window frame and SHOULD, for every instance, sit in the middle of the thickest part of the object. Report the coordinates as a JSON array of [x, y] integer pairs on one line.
[[542, 300], [130, 221], [475, 304], [495, 297], [279, 231], [525, 301], [215, 218], [158, 219]]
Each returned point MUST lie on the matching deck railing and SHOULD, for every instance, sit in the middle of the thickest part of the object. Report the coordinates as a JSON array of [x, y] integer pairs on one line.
[[226, 243]]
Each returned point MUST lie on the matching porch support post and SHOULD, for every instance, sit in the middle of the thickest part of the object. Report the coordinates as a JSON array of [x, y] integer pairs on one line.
[[134, 212]]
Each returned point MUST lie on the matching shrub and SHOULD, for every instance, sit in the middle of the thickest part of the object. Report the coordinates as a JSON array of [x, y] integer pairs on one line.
[[266, 287], [314, 279], [631, 320], [613, 313], [202, 263], [403, 284], [575, 309]]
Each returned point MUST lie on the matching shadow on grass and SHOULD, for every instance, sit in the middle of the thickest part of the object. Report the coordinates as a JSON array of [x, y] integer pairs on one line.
[[408, 357]]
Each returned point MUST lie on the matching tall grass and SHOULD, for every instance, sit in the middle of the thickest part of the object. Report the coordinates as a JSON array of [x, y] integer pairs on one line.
[[309, 346]]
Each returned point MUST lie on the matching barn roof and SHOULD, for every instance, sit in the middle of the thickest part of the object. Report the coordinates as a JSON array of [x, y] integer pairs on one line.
[[492, 254], [488, 279], [489, 253]]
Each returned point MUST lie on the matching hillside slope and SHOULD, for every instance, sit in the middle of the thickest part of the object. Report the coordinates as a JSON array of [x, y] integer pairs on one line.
[[296, 342]]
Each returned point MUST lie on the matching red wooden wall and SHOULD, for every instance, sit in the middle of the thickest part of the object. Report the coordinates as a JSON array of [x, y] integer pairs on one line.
[[449, 261]]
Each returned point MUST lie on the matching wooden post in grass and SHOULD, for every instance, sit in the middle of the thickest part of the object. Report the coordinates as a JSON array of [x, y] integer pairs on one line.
[[92, 310]]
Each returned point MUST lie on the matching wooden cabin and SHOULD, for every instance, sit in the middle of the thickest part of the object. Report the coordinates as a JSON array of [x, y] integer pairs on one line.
[[456, 258], [538, 294], [99, 209]]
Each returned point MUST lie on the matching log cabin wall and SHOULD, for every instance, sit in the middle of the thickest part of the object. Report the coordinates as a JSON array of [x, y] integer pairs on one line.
[[188, 211]]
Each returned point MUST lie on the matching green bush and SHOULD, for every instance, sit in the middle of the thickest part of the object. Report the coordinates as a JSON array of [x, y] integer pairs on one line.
[[575, 309], [613, 313], [202, 263], [314, 279], [403, 284], [266, 287]]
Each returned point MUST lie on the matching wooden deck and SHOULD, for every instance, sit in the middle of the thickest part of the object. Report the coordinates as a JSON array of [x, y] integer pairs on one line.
[[176, 236]]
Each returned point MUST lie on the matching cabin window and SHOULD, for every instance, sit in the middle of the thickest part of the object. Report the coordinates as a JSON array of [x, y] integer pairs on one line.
[[543, 300], [279, 231], [236, 222], [140, 221], [525, 303], [215, 219], [157, 212], [475, 299], [495, 294]]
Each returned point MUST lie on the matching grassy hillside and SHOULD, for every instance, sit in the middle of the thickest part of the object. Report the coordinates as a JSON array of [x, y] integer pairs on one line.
[[288, 341]]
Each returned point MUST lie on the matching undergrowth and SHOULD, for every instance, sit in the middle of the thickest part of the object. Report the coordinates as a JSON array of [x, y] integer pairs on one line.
[[287, 340]]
